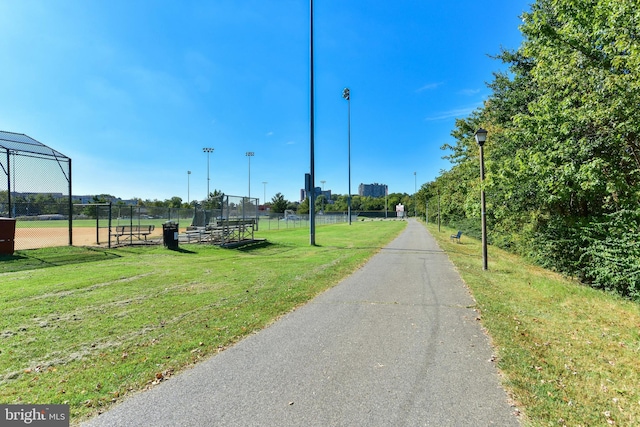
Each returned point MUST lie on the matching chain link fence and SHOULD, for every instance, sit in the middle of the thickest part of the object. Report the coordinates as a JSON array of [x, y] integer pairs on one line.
[[278, 221], [229, 220], [35, 187]]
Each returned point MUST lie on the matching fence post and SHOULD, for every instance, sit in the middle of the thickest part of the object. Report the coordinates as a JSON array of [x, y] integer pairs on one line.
[[109, 227], [70, 206], [98, 225]]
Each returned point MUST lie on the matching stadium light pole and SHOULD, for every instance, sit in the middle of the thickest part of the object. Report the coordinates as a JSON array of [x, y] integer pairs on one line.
[[386, 203], [346, 94], [312, 204], [249, 155], [322, 182], [188, 184], [208, 150], [265, 192], [481, 137]]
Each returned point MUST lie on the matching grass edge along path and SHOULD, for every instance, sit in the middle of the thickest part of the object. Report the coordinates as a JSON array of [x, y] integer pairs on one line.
[[569, 354], [90, 333]]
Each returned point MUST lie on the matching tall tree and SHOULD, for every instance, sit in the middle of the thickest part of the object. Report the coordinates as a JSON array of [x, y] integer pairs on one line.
[[278, 203], [563, 154]]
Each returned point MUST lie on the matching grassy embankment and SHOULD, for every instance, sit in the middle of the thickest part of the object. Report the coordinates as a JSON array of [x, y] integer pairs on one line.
[[89, 326], [570, 354]]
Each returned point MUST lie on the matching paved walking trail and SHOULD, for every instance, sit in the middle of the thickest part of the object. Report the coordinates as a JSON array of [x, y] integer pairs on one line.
[[394, 344]]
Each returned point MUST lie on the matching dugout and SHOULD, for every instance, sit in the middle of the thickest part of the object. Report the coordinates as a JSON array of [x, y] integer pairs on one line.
[[35, 180]]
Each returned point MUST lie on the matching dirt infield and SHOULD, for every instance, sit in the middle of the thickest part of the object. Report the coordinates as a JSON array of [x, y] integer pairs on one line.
[[32, 238]]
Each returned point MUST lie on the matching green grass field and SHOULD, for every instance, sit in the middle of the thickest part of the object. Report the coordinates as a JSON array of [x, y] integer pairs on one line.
[[55, 223], [88, 326], [570, 354]]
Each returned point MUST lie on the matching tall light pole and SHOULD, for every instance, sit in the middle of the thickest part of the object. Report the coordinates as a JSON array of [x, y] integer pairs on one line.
[[188, 184], [346, 94], [386, 196], [481, 137], [265, 192], [249, 155], [322, 182], [208, 150], [312, 171]]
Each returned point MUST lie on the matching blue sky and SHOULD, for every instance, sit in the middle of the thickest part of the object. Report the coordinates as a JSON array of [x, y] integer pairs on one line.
[[133, 90]]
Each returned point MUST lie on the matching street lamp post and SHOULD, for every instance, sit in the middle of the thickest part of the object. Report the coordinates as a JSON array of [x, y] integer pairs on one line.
[[415, 191], [208, 150], [346, 94], [249, 155], [481, 137], [438, 211], [188, 184]]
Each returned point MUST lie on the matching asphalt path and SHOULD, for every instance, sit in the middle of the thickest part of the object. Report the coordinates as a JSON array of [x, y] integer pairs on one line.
[[397, 343]]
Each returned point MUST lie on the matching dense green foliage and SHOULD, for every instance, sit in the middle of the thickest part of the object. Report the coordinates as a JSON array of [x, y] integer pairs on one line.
[[563, 154]]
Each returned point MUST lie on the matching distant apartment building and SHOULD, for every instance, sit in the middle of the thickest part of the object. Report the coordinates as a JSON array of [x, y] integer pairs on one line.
[[372, 190]]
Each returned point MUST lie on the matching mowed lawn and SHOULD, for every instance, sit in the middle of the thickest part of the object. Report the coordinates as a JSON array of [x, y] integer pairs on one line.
[[569, 354], [87, 326]]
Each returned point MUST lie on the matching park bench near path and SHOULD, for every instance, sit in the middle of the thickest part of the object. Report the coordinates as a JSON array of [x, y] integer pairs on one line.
[[129, 232]]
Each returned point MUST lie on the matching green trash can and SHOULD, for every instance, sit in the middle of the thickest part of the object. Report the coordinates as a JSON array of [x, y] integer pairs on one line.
[[170, 234], [7, 235]]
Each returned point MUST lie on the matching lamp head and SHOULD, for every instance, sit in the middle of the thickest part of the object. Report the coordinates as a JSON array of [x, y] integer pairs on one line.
[[481, 136], [346, 94]]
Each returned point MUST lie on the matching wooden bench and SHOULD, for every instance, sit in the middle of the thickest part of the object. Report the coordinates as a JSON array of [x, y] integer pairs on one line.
[[131, 231], [456, 236]]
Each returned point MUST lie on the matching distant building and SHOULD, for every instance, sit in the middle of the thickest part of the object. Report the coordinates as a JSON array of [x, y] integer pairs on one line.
[[372, 190], [326, 194], [319, 192], [82, 199]]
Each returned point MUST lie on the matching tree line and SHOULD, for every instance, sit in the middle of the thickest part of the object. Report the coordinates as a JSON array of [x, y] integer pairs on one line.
[[562, 155], [340, 203], [278, 203]]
